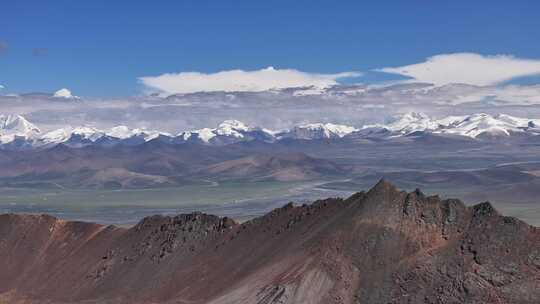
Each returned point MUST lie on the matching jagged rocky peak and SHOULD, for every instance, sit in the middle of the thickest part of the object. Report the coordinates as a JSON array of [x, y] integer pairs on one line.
[[387, 205], [383, 186], [485, 209], [181, 221], [382, 194]]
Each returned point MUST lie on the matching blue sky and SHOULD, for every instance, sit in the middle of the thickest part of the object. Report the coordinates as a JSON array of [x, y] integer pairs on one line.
[[101, 48]]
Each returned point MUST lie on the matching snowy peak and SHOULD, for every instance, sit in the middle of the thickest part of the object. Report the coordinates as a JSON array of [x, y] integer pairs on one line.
[[413, 122], [56, 136], [319, 131], [89, 133], [233, 128], [124, 132], [17, 124], [205, 135], [226, 132], [12, 126]]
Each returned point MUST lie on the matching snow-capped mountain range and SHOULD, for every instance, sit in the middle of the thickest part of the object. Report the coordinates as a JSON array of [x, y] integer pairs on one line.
[[18, 132], [473, 126], [227, 132]]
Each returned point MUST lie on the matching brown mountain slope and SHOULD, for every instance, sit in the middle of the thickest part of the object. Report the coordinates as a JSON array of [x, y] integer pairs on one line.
[[281, 167], [383, 246], [155, 165]]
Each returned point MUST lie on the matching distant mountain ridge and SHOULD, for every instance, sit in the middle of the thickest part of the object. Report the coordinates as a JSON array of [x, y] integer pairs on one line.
[[17, 132]]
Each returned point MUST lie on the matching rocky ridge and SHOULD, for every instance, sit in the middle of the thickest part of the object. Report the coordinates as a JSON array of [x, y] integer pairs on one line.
[[380, 246]]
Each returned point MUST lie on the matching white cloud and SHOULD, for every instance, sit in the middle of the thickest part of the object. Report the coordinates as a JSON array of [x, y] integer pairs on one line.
[[514, 94], [464, 84], [349, 105], [468, 68], [64, 93], [240, 80], [2, 87]]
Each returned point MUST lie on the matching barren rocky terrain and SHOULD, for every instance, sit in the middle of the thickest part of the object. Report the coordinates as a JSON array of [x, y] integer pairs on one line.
[[380, 246]]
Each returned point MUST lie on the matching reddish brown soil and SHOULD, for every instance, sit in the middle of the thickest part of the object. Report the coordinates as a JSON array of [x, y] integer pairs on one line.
[[383, 246]]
